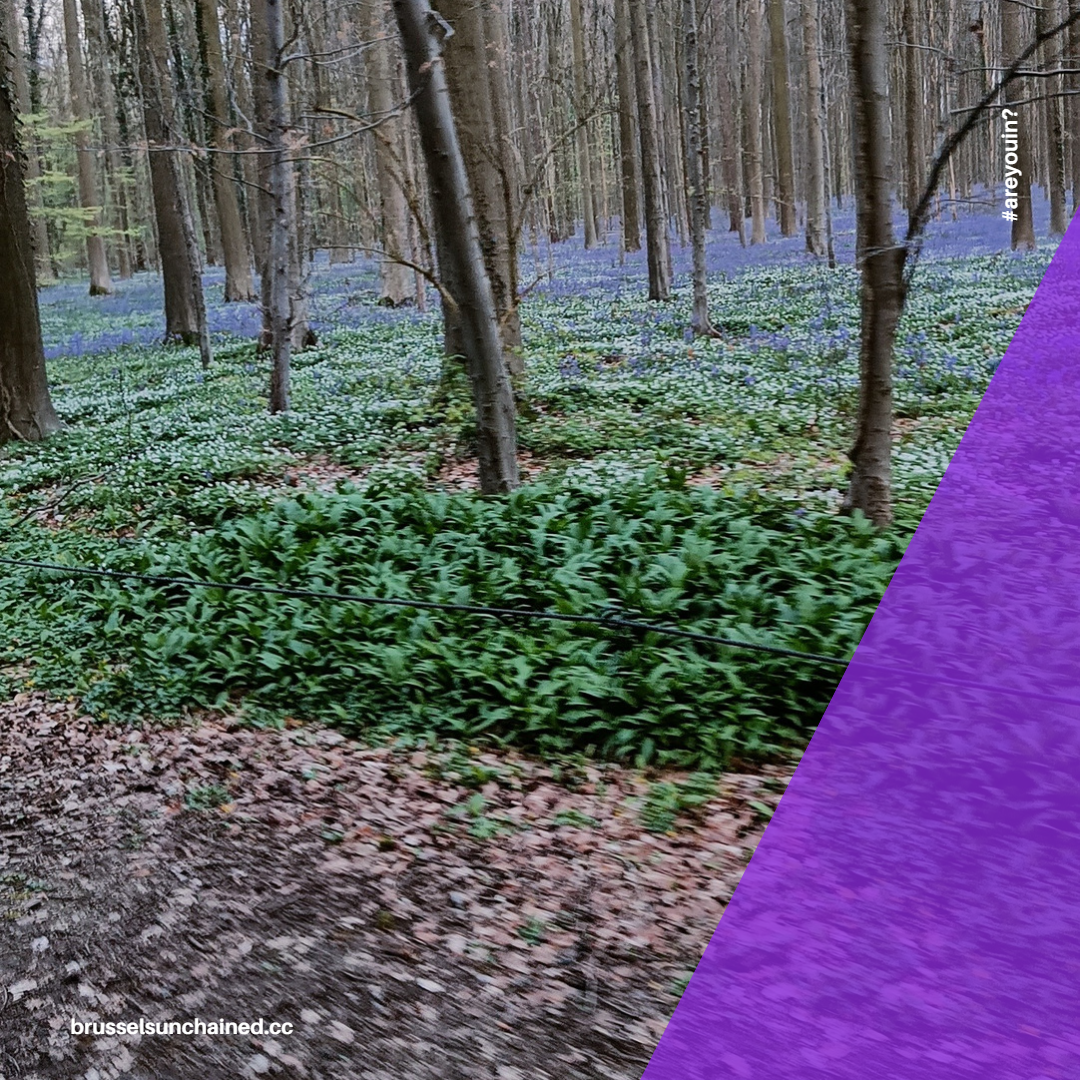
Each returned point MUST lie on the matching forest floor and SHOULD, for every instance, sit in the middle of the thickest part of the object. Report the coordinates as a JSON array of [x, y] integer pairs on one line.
[[416, 914], [443, 846]]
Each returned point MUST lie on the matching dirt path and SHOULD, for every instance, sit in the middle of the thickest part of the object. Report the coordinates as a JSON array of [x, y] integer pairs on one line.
[[414, 915]]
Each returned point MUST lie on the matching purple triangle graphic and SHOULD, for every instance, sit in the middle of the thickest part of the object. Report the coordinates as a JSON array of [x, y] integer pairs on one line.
[[913, 910]]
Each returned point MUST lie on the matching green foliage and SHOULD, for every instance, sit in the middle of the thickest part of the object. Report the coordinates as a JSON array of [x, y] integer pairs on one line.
[[180, 472], [666, 801], [206, 797]]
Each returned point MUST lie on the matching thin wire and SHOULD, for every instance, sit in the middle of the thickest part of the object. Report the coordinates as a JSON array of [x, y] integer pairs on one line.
[[430, 605]]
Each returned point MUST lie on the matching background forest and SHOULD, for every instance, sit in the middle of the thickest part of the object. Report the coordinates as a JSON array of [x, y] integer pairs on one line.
[[448, 459]]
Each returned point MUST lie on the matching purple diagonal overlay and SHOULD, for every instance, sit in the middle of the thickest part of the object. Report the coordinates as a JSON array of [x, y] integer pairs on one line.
[[913, 910]]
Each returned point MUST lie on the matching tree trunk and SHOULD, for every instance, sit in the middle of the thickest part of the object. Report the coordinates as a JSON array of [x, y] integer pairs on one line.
[[100, 282], [696, 196], [785, 155], [914, 107], [753, 122], [624, 65], [816, 193], [656, 230], [276, 287], [465, 275], [239, 283], [882, 261], [185, 309], [468, 52], [16, 63], [1052, 129], [1012, 43], [1072, 103], [395, 279], [585, 163], [25, 409]]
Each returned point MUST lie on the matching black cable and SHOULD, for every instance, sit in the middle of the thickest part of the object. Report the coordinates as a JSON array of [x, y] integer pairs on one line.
[[431, 605]]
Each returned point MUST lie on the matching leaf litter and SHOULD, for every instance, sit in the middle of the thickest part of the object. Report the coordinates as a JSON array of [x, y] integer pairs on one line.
[[444, 912]]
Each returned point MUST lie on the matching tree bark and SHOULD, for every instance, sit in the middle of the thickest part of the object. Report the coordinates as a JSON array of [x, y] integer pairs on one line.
[[100, 282], [656, 229], [624, 65], [816, 194], [585, 164], [26, 412], [185, 308], [469, 53], [753, 122], [785, 155], [98, 55], [1012, 38], [914, 107], [882, 261], [1052, 128], [395, 279], [465, 274], [276, 287], [15, 61], [239, 283], [1072, 104], [696, 195]]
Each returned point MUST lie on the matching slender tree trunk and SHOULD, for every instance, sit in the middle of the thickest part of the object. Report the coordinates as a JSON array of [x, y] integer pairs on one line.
[[185, 308], [1052, 129], [816, 194], [465, 275], [100, 282], [395, 279], [239, 283], [1072, 104], [882, 261], [25, 409], [624, 64], [656, 229], [1012, 39], [16, 61], [98, 52], [276, 288], [696, 196], [585, 164], [785, 155], [914, 107], [753, 118]]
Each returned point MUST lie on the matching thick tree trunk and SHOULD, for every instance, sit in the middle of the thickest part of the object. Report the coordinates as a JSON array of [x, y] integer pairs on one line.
[[785, 154], [624, 66], [465, 275], [1012, 44], [470, 53], [816, 194], [89, 200], [882, 261], [15, 62], [696, 196], [753, 124], [239, 283], [185, 308], [395, 279], [25, 409], [656, 229]]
